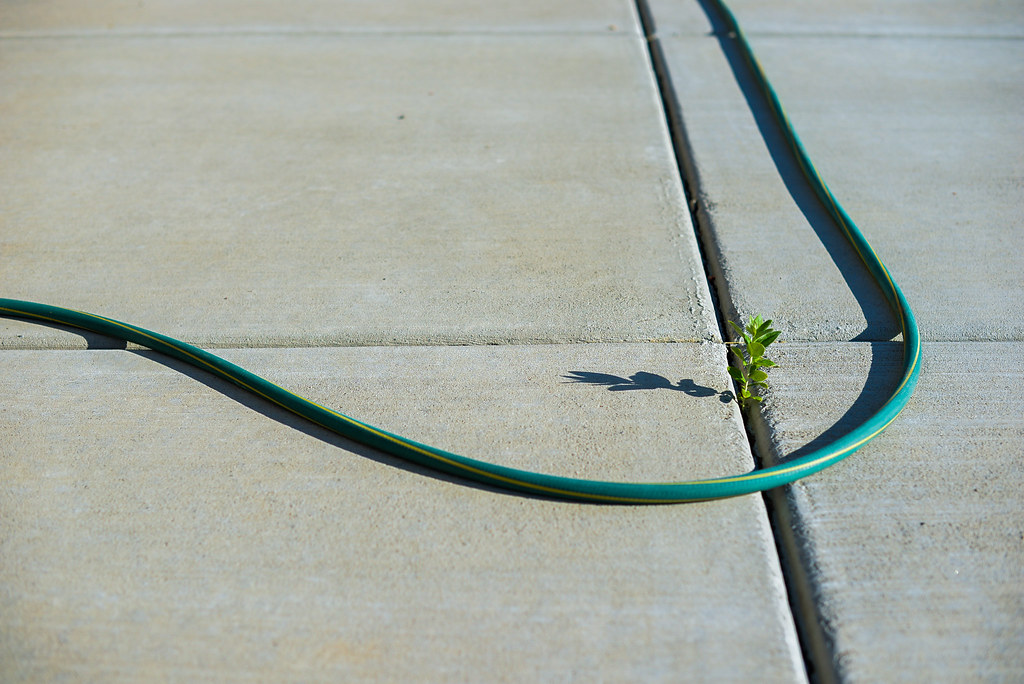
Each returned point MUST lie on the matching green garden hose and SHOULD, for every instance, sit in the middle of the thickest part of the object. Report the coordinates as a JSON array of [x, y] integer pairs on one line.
[[537, 483]]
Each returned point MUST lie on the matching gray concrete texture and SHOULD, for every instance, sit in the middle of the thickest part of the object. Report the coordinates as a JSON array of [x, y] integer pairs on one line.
[[237, 176], [241, 191], [917, 541], [919, 137], [191, 16], [245, 175], [903, 19], [159, 526], [906, 558]]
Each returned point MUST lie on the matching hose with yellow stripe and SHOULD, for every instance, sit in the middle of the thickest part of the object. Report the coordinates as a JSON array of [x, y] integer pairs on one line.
[[595, 491]]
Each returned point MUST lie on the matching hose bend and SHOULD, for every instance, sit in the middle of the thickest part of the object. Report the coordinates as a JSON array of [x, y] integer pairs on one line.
[[595, 491]]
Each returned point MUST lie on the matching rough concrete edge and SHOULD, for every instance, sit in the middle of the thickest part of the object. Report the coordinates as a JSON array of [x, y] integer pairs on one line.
[[679, 192], [797, 556], [815, 645], [710, 253]]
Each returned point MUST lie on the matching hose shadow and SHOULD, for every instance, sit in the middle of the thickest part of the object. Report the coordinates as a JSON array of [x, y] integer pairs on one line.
[[884, 372], [276, 413], [881, 324], [92, 340]]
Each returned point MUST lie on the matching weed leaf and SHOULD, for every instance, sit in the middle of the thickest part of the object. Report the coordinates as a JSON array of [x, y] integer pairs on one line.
[[757, 335]]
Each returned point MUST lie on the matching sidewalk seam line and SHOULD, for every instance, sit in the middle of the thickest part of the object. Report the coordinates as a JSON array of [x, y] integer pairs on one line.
[[98, 344], [816, 649]]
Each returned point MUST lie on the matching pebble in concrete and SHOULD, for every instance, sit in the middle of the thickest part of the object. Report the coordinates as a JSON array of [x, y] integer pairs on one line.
[[157, 526]]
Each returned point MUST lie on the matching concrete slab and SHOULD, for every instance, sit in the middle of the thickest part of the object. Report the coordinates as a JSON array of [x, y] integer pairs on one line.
[[935, 188], [129, 16], [938, 189], [280, 190], [914, 544], [157, 527], [907, 18], [905, 557], [781, 258]]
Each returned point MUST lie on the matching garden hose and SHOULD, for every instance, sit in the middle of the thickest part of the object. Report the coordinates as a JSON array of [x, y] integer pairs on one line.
[[594, 491]]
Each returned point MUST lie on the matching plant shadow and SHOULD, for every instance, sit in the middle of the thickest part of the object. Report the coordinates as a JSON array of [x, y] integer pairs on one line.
[[645, 381], [881, 325]]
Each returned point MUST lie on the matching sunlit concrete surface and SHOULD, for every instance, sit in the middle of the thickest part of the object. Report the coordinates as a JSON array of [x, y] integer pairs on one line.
[[905, 557]]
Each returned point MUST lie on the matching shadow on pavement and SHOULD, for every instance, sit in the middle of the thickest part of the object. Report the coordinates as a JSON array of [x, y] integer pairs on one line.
[[881, 323], [645, 381], [280, 415]]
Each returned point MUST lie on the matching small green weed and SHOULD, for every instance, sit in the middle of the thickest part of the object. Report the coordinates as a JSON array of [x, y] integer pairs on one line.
[[756, 337]]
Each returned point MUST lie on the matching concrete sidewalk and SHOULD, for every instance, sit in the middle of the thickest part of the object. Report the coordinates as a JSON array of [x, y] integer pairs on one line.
[[465, 223], [299, 191], [905, 560]]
